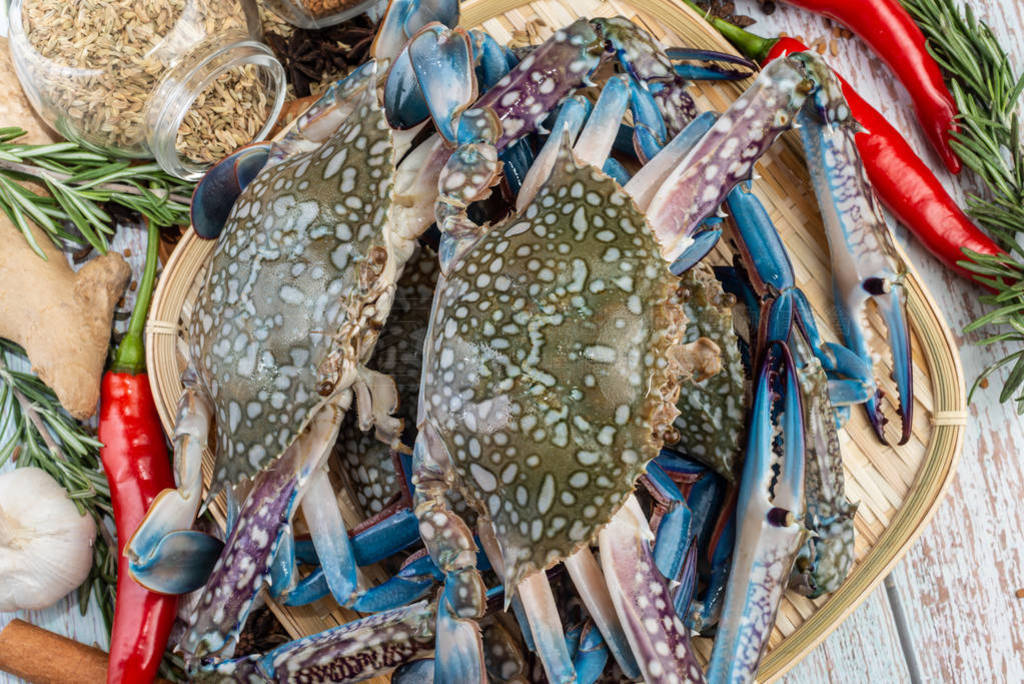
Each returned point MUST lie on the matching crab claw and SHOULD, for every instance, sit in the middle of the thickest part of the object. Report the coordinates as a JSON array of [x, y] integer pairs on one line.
[[220, 187], [892, 305], [403, 18], [433, 75], [179, 564], [768, 517], [865, 263], [490, 59], [174, 510], [765, 253]]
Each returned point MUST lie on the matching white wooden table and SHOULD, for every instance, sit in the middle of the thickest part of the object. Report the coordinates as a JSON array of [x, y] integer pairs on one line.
[[949, 611]]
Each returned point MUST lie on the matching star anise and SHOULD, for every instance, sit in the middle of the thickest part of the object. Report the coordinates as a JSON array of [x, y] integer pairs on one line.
[[311, 56], [725, 9]]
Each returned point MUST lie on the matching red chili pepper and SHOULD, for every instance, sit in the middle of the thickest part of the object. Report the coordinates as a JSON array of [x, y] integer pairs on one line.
[[138, 468], [902, 181], [891, 33]]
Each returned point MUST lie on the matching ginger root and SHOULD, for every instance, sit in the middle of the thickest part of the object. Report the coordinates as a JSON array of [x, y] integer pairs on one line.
[[62, 319]]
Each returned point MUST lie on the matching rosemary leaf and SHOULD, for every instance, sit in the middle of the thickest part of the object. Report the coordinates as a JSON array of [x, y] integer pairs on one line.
[[81, 181], [982, 81]]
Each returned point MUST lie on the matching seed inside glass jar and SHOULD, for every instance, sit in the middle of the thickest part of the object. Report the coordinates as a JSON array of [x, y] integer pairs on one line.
[[225, 116]]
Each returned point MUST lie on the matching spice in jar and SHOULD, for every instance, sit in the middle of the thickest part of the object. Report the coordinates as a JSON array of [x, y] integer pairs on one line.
[[225, 116], [99, 61]]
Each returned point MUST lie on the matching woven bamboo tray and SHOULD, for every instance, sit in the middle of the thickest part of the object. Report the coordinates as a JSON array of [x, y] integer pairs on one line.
[[898, 488]]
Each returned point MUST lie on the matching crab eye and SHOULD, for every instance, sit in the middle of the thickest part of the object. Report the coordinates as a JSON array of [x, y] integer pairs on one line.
[[324, 388]]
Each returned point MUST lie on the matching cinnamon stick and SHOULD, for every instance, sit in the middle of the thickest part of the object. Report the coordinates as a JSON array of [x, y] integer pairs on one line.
[[42, 657]]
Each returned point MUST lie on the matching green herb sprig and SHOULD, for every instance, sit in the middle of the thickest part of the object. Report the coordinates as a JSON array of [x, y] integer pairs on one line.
[[987, 93], [80, 182], [39, 433]]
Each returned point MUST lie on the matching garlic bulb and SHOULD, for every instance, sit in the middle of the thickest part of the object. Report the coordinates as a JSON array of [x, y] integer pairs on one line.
[[45, 543]]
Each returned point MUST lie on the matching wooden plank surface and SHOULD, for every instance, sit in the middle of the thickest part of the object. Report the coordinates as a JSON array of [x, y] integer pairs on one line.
[[865, 648], [958, 584]]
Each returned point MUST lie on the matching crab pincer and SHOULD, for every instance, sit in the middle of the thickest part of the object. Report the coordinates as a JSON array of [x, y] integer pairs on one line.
[[769, 519], [865, 265]]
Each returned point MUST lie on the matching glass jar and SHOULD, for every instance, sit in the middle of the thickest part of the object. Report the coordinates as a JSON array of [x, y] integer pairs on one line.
[[184, 81], [312, 14]]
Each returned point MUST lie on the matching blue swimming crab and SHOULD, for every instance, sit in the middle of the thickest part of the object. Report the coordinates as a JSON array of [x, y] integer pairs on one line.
[[553, 366], [314, 233]]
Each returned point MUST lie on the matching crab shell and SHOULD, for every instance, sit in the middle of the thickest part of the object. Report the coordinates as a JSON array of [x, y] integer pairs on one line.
[[303, 274], [552, 367]]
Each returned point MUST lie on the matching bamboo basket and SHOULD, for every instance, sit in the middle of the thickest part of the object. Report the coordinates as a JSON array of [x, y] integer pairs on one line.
[[898, 488]]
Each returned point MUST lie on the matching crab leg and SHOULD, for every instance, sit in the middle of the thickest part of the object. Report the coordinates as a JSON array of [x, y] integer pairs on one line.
[[763, 249], [418, 575], [546, 627], [569, 122], [246, 564], [663, 162], [351, 652], [673, 528], [726, 154], [412, 582], [769, 518], [589, 580], [320, 510], [643, 600], [720, 542], [591, 130], [864, 261], [164, 555], [450, 543]]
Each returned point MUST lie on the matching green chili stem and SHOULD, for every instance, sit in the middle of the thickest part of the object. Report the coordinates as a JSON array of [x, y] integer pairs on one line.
[[131, 353], [752, 46]]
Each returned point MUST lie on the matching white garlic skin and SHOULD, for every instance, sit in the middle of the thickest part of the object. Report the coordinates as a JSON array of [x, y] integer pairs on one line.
[[45, 543]]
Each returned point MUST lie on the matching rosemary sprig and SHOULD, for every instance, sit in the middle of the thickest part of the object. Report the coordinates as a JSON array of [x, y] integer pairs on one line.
[[39, 433], [981, 79], [80, 182]]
